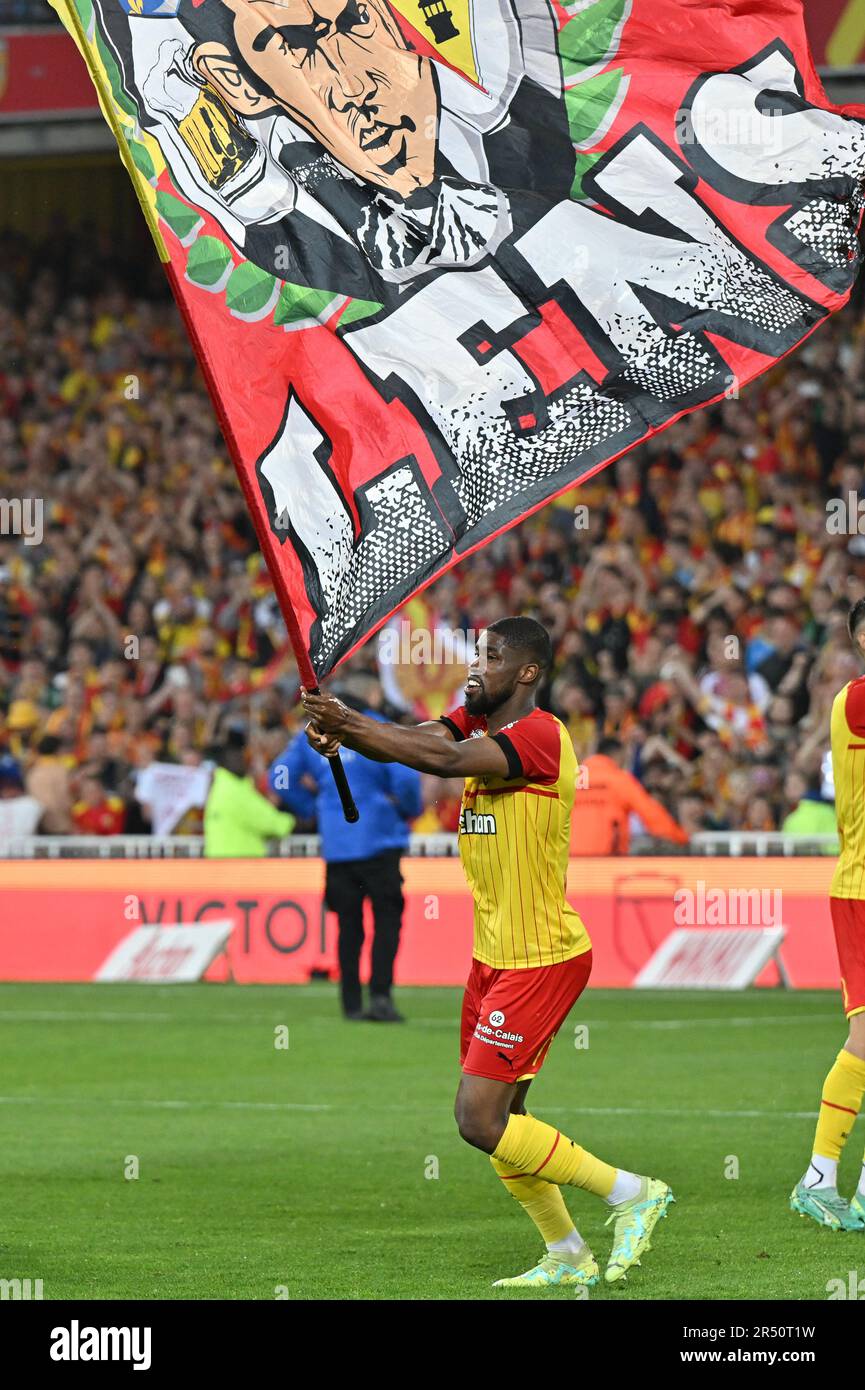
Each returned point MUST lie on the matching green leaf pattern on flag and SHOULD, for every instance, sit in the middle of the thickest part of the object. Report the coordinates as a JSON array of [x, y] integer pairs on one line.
[[588, 38], [112, 72], [587, 42], [358, 309], [585, 162], [251, 293], [297, 305], [141, 159], [588, 104], [185, 221], [209, 263]]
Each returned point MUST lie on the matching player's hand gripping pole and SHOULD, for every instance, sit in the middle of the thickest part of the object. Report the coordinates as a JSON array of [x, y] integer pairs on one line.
[[349, 810], [309, 682]]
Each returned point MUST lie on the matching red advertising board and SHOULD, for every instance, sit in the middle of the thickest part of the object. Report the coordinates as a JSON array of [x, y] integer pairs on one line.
[[41, 75], [59, 920]]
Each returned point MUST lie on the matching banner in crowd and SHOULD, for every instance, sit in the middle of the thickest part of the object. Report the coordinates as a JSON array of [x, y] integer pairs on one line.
[[443, 259], [169, 790], [422, 660]]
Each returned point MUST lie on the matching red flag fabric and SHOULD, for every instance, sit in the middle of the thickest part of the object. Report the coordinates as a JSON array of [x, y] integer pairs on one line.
[[443, 259]]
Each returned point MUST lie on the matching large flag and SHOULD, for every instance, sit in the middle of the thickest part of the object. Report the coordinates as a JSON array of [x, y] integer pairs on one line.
[[442, 259]]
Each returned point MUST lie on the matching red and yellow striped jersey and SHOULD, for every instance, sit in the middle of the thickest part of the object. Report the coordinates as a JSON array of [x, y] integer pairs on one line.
[[848, 769], [514, 834]]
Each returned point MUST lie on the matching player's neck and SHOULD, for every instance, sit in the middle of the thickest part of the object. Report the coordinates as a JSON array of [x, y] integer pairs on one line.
[[509, 712]]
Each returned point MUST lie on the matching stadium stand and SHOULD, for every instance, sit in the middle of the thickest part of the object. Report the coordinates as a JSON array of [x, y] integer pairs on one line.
[[696, 590]]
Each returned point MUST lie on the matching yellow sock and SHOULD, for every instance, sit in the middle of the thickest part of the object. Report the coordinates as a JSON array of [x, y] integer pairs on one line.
[[540, 1200], [842, 1100], [530, 1146]]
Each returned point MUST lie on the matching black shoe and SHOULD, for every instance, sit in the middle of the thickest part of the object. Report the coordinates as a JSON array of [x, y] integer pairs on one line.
[[353, 1016], [381, 1010]]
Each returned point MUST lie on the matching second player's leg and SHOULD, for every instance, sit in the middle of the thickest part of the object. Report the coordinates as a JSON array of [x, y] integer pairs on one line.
[[816, 1194], [856, 1044]]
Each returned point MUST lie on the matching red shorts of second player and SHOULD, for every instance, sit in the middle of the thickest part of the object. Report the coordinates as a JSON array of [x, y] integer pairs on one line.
[[510, 1017], [848, 919]]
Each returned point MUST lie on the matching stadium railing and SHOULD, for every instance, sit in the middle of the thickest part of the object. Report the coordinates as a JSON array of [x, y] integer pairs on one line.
[[732, 844], [180, 847]]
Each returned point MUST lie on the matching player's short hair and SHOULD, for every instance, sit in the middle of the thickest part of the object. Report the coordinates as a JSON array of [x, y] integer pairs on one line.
[[856, 618], [610, 746], [528, 637]]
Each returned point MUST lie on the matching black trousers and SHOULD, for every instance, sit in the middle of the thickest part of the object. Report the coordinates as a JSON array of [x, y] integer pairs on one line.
[[347, 886]]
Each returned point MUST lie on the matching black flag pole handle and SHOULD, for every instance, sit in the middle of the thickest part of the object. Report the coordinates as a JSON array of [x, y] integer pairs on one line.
[[349, 810]]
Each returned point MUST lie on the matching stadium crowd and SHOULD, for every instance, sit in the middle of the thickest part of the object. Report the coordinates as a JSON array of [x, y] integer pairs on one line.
[[696, 595]]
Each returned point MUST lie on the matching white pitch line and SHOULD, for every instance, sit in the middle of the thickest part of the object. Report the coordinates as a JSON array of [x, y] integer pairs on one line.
[[74, 1015], [162, 1104], [683, 1114], [679, 1114], [658, 1024], [743, 1021]]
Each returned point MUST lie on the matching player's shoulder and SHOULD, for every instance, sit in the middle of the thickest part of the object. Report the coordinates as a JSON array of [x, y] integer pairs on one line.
[[538, 722], [462, 724], [535, 746], [853, 691], [850, 701]]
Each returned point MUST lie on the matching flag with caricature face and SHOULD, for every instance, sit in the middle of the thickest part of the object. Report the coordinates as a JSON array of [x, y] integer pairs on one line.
[[442, 259]]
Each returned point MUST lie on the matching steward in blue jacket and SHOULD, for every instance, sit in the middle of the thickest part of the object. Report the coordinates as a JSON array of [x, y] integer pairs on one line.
[[362, 859]]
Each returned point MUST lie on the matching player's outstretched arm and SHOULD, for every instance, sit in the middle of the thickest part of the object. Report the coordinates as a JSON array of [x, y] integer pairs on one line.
[[427, 747], [328, 745]]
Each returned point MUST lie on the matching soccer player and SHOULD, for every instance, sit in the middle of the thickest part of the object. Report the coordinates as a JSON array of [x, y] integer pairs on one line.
[[532, 954], [817, 1194]]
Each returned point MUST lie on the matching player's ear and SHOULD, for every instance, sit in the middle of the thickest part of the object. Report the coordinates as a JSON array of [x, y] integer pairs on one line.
[[214, 63]]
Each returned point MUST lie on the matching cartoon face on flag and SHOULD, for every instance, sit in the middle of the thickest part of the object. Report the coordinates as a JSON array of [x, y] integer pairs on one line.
[[442, 259], [330, 149]]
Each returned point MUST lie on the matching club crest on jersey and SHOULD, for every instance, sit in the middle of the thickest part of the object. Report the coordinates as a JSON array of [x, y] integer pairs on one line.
[[475, 823]]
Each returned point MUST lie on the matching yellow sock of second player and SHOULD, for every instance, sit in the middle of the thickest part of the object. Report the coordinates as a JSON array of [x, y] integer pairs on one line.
[[841, 1102], [533, 1147]]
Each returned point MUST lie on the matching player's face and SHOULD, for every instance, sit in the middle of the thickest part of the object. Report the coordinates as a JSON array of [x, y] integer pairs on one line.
[[493, 675], [341, 69]]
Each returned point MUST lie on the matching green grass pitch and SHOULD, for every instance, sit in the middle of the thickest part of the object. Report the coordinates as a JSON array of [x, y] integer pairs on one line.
[[306, 1172]]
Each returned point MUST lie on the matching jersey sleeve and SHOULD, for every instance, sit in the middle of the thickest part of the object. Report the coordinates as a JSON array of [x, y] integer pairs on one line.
[[461, 723], [533, 748], [854, 708]]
